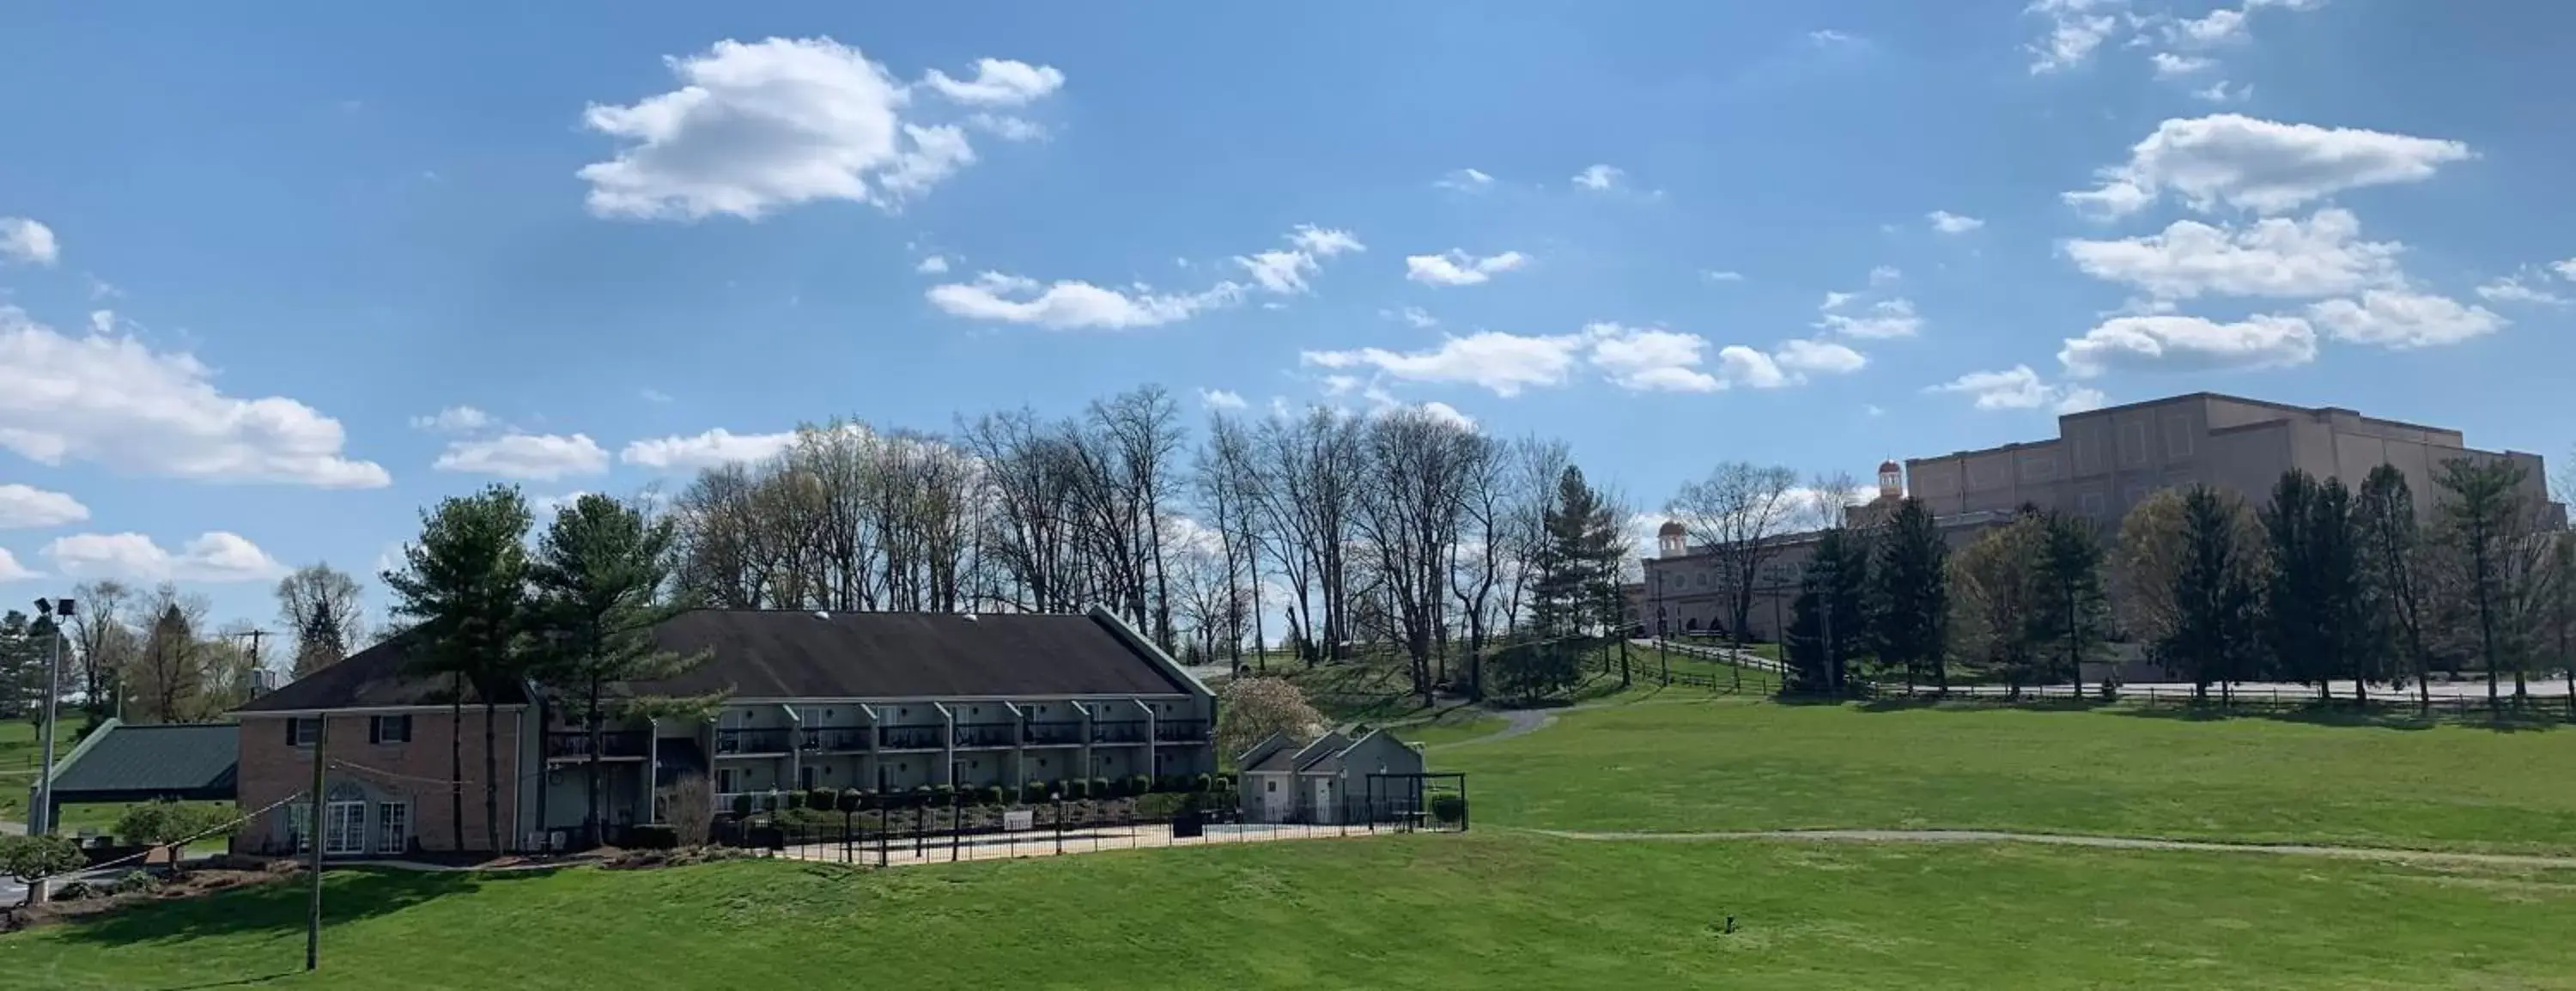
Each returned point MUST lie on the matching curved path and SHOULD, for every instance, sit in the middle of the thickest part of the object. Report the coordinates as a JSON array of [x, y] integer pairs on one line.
[[2067, 839], [1522, 722]]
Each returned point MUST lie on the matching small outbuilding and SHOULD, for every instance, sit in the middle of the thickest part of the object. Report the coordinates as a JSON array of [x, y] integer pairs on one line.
[[1324, 780]]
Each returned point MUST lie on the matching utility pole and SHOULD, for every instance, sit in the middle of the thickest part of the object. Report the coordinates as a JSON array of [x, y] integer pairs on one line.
[[254, 634], [55, 612], [313, 832]]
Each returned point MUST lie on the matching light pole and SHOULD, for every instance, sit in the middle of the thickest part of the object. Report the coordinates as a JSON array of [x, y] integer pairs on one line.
[[56, 612]]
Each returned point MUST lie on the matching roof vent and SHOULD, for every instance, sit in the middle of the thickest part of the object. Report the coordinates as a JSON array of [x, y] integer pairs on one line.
[[820, 614], [969, 617]]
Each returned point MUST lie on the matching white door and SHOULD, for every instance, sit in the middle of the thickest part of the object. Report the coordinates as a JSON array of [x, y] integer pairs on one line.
[[1275, 800], [344, 828], [1324, 810]]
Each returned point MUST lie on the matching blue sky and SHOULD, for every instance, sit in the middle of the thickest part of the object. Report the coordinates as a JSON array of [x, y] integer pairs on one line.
[[252, 255]]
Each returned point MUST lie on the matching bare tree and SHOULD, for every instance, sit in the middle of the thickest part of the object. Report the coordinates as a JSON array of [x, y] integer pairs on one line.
[[1739, 512], [319, 605], [102, 633], [168, 674], [1418, 469], [1536, 466]]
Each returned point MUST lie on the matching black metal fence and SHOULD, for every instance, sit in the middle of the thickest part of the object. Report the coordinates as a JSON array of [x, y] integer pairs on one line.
[[922, 833]]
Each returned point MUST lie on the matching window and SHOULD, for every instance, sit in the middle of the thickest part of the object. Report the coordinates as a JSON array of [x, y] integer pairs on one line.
[[344, 828], [299, 826], [389, 729], [393, 827], [1271, 786], [303, 731]]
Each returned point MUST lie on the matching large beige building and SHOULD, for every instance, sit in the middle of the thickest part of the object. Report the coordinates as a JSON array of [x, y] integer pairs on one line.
[[2101, 463]]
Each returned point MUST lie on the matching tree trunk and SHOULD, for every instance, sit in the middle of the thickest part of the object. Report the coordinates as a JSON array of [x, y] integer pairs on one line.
[[545, 723]]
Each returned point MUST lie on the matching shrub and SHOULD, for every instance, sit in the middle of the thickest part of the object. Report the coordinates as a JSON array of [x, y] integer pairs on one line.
[[1161, 805], [159, 822], [742, 805], [822, 799], [850, 800], [1099, 789], [1076, 790], [654, 837], [770, 802], [1203, 784], [1138, 784], [992, 794], [691, 802], [73, 892], [30, 857], [943, 794], [1034, 792], [132, 882], [1448, 808]]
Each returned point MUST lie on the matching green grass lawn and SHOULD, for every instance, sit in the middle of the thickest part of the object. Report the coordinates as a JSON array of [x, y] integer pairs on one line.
[[1476, 911], [1451, 727], [1650, 661], [1759, 765]]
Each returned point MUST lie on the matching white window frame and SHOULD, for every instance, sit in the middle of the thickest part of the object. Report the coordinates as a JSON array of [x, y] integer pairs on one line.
[[296, 730], [376, 726], [340, 837], [393, 827]]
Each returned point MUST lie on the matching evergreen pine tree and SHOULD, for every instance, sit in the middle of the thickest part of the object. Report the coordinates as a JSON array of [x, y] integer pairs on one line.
[[2215, 601], [1829, 626], [462, 587], [2071, 616], [2392, 587], [1909, 595]]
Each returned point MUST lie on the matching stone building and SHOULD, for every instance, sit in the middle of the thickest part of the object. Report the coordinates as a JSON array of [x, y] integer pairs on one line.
[[2100, 464]]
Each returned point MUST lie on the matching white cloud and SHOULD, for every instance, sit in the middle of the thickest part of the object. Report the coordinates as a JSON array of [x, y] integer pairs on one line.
[[2169, 65], [1006, 127], [112, 400], [1458, 268], [997, 83], [1824, 357], [1951, 223], [1285, 270], [2075, 29], [535, 457], [2020, 388], [1466, 181], [1599, 177], [1444, 411], [216, 556], [2565, 269], [1882, 319], [1722, 276], [28, 506], [1071, 305], [2274, 257], [2229, 160], [1415, 316], [1221, 399], [2219, 92], [2401, 319], [2180, 343], [933, 265], [12, 571], [1504, 364], [102, 321], [455, 420], [1883, 274], [706, 450], [1641, 359], [2221, 25], [24, 240], [778, 122], [2519, 288]]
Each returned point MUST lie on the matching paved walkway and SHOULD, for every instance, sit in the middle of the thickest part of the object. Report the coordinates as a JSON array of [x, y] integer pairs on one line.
[[2065, 839]]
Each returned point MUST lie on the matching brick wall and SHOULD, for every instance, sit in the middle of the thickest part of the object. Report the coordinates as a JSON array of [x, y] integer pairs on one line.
[[272, 769]]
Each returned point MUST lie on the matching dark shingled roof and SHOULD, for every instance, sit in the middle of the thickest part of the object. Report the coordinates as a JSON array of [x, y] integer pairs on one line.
[[382, 675], [792, 654], [130, 763]]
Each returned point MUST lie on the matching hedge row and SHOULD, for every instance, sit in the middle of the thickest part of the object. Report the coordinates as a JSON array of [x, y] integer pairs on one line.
[[1035, 792]]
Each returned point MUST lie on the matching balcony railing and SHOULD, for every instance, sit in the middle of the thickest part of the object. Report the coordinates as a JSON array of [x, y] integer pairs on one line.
[[1118, 731], [908, 737], [836, 739], [575, 744], [988, 734], [754, 741], [1053, 734], [1181, 731]]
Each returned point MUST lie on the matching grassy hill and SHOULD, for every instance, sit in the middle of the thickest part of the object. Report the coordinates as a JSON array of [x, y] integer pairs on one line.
[[1420, 912], [1727, 764]]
